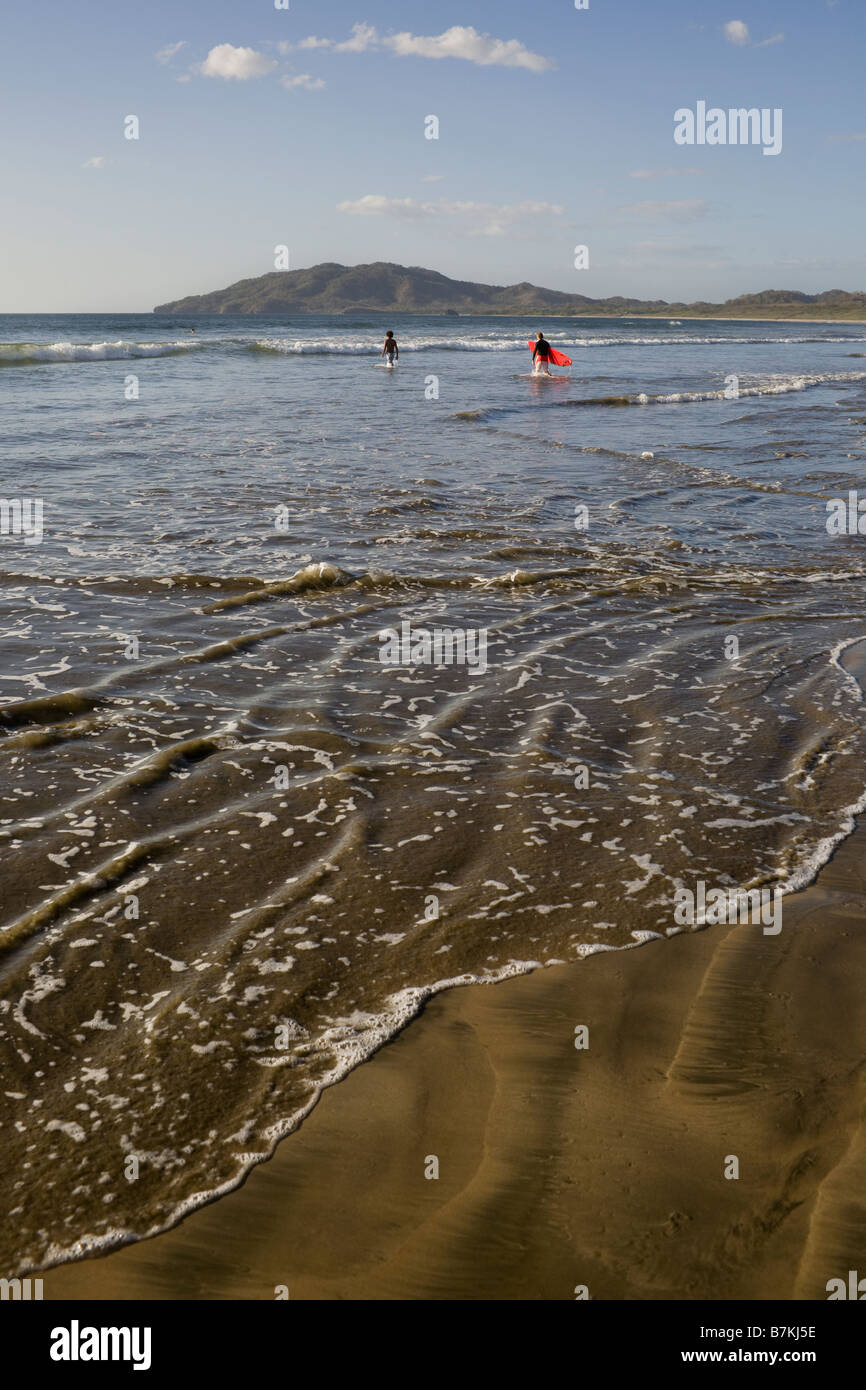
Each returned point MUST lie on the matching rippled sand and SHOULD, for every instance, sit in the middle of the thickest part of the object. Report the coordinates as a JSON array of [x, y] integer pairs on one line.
[[559, 1168]]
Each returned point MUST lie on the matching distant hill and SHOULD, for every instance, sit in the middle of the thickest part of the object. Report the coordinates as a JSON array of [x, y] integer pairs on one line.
[[397, 289]]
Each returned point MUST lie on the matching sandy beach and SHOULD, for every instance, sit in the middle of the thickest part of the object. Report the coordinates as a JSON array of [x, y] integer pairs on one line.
[[601, 1167]]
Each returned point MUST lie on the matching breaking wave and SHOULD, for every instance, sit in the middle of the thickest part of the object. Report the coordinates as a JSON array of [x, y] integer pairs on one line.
[[774, 386], [28, 354], [31, 354], [490, 343]]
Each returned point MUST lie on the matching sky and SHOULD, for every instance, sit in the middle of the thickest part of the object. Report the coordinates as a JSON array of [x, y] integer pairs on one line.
[[306, 127]]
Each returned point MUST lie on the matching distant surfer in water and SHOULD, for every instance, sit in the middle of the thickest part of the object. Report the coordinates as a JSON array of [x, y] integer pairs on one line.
[[391, 349], [541, 355]]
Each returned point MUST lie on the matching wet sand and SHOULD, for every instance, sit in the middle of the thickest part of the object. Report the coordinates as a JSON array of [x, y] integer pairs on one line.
[[561, 1167]]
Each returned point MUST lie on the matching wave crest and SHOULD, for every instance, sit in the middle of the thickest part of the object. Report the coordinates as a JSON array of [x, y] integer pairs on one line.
[[32, 354]]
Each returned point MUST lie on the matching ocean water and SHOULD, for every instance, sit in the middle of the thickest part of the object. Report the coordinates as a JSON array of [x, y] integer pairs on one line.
[[240, 848]]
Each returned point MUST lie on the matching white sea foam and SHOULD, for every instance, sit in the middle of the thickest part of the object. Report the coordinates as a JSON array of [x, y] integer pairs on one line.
[[773, 386], [352, 1040], [356, 1042], [341, 345], [364, 347], [487, 342], [22, 354]]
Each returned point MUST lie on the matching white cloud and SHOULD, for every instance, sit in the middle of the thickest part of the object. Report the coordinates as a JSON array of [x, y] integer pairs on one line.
[[737, 32], [304, 80], [239, 63], [96, 161], [661, 173], [479, 219], [166, 54], [462, 41], [683, 208], [376, 205], [364, 36], [843, 139], [433, 178]]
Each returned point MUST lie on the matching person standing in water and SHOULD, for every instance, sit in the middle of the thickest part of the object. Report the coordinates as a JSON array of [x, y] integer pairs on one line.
[[391, 349], [541, 355]]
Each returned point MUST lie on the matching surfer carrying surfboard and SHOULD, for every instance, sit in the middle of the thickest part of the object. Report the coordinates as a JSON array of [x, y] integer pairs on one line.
[[391, 348], [543, 353]]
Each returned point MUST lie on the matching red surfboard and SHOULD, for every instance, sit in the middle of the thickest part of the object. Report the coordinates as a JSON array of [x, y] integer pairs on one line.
[[558, 359]]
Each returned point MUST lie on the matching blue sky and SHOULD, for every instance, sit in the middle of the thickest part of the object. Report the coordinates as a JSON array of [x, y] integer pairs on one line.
[[555, 129]]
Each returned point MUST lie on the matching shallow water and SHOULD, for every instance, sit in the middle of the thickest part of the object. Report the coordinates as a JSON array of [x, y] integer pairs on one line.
[[240, 846]]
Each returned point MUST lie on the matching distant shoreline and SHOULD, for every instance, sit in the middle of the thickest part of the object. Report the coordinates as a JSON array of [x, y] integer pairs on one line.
[[663, 318], [366, 289], [708, 318], [530, 317], [416, 313]]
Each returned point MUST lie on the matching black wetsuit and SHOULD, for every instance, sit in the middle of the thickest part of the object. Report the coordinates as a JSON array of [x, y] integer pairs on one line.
[[541, 350]]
